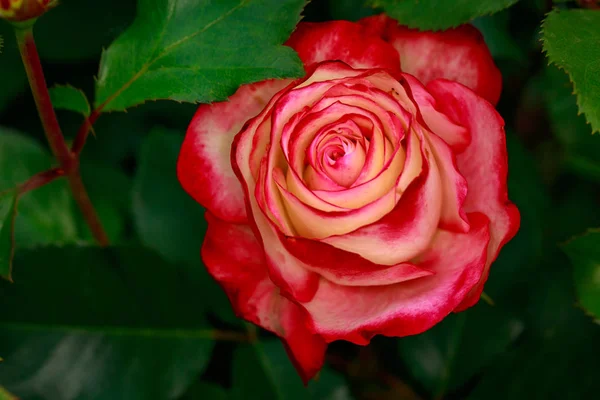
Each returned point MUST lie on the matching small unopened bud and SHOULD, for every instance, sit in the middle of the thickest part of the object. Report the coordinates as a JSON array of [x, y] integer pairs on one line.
[[23, 10]]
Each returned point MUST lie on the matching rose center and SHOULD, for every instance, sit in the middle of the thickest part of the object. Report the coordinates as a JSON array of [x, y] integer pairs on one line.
[[342, 157]]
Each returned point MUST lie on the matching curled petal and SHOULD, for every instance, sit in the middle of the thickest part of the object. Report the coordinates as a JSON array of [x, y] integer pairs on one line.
[[457, 54], [408, 308], [349, 269], [235, 259], [484, 165], [456, 136], [204, 165]]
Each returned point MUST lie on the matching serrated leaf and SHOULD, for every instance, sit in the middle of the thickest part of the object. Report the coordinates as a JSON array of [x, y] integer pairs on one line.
[[197, 51], [118, 323], [438, 15], [571, 40], [264, 371], [584, 252], [66, 97], [47, 214], [452, 352], [8, 214]]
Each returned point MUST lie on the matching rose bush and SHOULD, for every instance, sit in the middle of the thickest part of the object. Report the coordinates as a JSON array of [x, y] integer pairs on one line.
[[368, 197]]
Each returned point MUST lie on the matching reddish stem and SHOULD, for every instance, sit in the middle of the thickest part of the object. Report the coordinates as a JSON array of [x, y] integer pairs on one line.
[[69, 161], [40, 179], [83, 131]]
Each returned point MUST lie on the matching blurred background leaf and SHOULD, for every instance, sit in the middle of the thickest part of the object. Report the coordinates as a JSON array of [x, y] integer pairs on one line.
[[166, 218], [448, 355], [272, 376], [62, 337], [46, 215], [4, 395], [584, 253]]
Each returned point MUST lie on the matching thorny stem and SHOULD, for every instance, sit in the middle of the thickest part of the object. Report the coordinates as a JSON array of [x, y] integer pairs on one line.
[[69, 161]]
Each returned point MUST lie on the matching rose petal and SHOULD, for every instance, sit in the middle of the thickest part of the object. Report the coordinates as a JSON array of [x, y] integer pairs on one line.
[[349, 269], [342, 40], [408, 229], [204, 165], [356, 314], [235, 259], [454, 187], [458, 54], [313, 223], [456, 136], [287, 273], [483, 164]]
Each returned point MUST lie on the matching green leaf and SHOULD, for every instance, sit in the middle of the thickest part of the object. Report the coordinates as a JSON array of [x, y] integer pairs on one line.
[[264, 371], [571, 42], [46, 215], [197, 51], [452, 352], [4, 395], [166, 218], [66, 97], [584, 252], [437, 15], [8, 214], [123, 325]]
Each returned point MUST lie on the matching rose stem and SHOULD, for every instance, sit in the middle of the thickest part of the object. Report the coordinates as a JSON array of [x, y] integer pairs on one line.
[[68, 161]]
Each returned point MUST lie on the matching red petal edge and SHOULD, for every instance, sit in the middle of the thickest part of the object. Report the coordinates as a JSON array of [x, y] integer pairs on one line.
[[204, 164], [459, 54], [235, 259], [484, 164], [344, 41]]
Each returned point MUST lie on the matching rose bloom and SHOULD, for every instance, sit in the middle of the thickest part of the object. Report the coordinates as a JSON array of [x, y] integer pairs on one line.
[[368, 197]]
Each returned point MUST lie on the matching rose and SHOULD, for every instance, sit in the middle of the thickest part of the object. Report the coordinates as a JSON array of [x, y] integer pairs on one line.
[[368, 197]]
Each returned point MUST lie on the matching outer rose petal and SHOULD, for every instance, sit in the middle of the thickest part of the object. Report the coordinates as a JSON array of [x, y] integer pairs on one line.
[[345, 41], [483, 164], [356, 314], [235, 259], [204, 165], [457, 54]]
